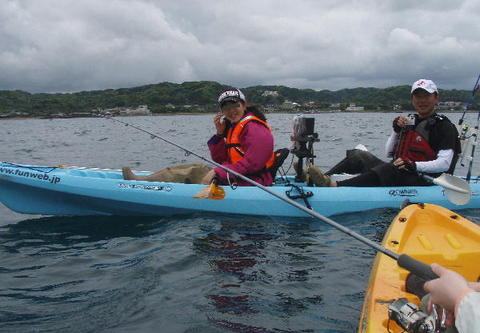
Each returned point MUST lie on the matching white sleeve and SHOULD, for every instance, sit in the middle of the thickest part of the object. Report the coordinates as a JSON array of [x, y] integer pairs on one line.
[[390, 145], [441, 164], [468, 314]]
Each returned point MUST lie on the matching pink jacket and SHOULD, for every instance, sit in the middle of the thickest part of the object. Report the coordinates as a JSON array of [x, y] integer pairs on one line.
[[258, 143]]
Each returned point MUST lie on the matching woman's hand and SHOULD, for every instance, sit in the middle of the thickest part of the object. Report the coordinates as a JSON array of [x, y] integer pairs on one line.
[[207, 179], [219, 123]]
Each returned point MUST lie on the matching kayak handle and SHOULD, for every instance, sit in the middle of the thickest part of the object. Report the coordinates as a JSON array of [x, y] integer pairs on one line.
[[418, 268]]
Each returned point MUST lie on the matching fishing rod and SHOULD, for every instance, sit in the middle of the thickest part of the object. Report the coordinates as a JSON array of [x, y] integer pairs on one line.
[[469, 101], [419, 268], [474, 145], [470, 141]]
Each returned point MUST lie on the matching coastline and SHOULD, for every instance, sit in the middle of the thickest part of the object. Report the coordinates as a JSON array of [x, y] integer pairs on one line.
[[203, 113]]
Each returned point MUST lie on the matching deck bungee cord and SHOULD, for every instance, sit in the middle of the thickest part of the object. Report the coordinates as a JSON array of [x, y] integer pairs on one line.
[[419, 268], [33, 168]]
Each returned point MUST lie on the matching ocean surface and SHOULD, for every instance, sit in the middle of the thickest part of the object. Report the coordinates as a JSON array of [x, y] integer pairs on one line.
[[194, 273]]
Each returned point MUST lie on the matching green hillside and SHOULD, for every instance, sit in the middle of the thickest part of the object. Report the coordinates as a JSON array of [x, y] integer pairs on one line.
[[201, 97]]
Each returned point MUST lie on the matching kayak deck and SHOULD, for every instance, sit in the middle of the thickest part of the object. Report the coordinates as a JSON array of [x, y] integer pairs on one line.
[[428, 233], [72, 190]]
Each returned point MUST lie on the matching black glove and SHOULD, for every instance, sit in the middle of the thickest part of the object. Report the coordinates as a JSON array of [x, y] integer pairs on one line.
[[395, 126], [409, 165]]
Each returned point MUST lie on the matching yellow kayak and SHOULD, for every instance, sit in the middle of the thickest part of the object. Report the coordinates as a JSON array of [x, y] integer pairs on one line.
[[428, 233]]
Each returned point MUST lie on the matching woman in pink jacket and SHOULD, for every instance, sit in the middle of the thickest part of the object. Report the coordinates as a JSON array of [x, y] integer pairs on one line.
[[243, 142]]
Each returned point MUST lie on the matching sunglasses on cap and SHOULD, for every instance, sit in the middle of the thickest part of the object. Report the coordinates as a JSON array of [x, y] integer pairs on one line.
[[229, 106]]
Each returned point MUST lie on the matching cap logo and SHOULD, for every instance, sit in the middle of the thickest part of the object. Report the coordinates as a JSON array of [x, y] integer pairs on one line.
[[231, 93], [428, 85]]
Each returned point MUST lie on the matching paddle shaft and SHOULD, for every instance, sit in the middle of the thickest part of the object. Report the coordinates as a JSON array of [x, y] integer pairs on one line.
[[444, 185], [420, 269]]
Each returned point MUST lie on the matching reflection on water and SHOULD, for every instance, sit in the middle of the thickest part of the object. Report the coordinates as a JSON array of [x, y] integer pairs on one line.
[[68, 230], [267, 273], [191, 273]]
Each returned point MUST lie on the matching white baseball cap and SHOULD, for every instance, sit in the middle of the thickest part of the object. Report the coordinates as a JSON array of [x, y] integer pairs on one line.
[[425, 84]]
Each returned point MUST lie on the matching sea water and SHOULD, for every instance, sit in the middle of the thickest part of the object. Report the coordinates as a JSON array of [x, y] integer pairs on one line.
[[194, 273]]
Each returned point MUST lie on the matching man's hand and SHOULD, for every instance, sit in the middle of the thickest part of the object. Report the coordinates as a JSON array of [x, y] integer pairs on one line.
[[405, 164], [448, 289], [399, 123]]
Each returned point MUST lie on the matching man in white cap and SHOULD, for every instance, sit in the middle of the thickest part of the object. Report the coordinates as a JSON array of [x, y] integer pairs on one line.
[[424, 142]]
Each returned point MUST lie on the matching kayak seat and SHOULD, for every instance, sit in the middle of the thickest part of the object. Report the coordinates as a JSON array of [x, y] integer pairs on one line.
[[280, 156]]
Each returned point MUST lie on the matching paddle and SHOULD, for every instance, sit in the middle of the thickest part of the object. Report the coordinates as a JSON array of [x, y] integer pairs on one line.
[[457, 190], [419, 268]]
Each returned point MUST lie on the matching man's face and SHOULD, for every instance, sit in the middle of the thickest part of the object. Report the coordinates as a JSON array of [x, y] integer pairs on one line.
[[424, 102]]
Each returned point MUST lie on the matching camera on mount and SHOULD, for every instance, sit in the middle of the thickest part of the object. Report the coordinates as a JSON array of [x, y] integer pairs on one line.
[[303, 137], [410, 120]]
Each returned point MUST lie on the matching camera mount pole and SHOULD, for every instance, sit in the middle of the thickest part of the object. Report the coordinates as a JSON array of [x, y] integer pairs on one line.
[[304, 137]]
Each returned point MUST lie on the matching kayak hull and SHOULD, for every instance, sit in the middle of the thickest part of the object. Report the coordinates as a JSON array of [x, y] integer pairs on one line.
[[428, 233], [88, 191]]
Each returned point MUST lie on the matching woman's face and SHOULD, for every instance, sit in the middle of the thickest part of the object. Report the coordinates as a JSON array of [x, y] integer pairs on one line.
[[234, 111]]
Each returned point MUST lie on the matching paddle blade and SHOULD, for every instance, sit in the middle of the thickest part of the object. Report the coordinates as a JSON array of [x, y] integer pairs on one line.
[[213, 192], [457, 189]]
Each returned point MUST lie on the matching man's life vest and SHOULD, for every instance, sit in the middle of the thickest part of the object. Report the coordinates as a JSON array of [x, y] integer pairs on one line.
[[414, 142], [234, 149]]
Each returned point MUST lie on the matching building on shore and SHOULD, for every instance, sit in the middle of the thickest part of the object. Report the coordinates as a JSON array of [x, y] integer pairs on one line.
[[354, 107], [141, 110]]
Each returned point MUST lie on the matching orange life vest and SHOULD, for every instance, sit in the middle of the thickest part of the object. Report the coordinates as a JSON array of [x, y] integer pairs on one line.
[[414, 143], [234, 148]]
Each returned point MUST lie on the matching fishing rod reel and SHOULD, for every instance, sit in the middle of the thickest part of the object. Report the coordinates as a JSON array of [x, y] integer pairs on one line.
[[409, 317], [303, 137]]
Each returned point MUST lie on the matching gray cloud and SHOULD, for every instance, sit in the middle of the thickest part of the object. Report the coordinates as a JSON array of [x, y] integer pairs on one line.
[[66, 45]]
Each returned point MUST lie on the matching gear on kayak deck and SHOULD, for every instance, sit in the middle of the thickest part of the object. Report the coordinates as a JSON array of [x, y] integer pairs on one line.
[[409, 317], [303, 137]]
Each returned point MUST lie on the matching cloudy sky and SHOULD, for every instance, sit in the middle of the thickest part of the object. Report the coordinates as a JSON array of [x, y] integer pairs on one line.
[[74, 45]]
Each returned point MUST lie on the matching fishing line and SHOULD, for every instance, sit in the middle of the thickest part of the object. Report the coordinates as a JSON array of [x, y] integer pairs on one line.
[[403, 260]]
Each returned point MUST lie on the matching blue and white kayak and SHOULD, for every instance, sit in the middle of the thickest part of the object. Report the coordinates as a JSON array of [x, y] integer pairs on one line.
[[65, 190]]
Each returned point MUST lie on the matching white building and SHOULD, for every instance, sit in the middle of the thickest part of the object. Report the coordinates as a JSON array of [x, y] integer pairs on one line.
[[272, 93], [354, 107]]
